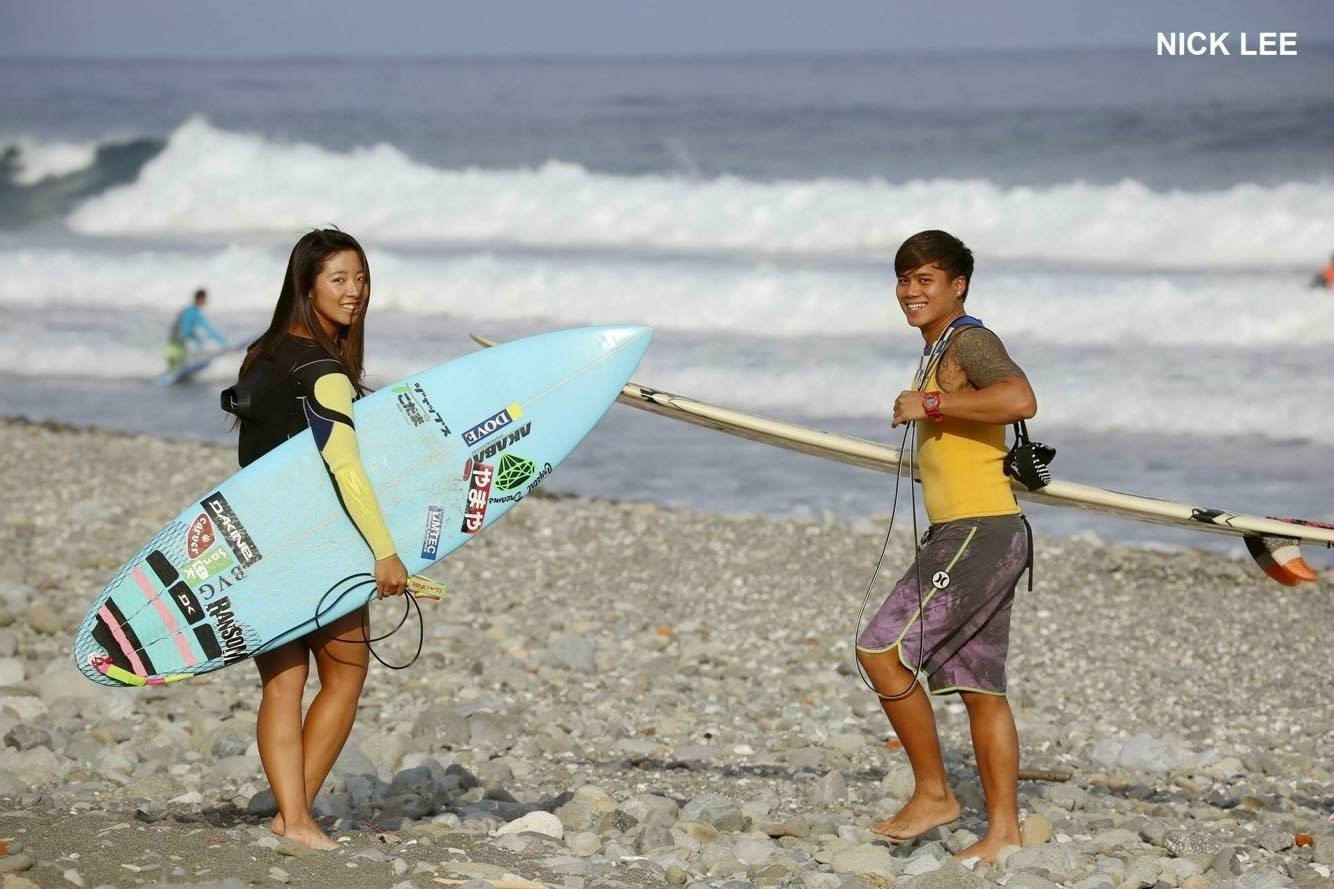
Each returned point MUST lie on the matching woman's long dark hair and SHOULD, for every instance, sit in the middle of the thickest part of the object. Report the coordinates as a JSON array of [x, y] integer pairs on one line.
[[294, 310]]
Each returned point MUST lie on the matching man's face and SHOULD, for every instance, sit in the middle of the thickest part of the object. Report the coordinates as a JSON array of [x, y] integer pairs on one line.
[[927, 294]]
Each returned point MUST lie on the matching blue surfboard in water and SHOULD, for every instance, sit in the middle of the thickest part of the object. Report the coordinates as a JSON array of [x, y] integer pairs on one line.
[[245, 567]]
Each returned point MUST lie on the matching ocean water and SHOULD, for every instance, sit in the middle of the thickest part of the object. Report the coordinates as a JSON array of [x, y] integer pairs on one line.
[[1145, 232]]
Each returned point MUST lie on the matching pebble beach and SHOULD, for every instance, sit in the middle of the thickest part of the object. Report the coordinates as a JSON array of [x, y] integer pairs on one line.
[[618, 694]]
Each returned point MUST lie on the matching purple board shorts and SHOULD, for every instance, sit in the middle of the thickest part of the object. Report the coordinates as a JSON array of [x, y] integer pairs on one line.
[[969, 569]]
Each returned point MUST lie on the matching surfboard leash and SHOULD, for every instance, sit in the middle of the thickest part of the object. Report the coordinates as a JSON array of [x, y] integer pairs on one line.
[[368, 580], [875, 573]]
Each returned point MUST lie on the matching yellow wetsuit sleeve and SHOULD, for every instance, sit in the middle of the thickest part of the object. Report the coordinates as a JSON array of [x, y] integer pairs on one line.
[[329, 414]]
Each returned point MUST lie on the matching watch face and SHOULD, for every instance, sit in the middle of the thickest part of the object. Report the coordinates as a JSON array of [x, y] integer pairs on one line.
[[931, 402]]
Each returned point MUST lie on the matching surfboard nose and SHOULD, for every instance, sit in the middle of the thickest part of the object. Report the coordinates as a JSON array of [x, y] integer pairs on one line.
[[618, 337]]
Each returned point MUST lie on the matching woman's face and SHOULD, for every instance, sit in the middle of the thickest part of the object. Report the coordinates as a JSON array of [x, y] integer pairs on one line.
[[339, 293]]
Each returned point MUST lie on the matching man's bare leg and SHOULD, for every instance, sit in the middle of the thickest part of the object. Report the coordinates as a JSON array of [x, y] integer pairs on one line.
[[996, 745], [932, 803]]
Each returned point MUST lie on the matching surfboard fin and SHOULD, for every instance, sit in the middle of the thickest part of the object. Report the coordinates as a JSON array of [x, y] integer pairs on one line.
[[1281, 559]]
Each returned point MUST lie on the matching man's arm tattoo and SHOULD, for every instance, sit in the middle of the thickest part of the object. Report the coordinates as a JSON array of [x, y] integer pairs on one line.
[[983, 358]]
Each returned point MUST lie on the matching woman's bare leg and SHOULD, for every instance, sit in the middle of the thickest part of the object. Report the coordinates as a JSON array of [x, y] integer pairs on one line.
[[283, 673], [341, 658]]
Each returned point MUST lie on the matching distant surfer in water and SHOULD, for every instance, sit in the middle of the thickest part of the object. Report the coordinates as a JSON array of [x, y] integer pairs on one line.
[[1325, 277], [188, 329], [956, 624], [304, 372]]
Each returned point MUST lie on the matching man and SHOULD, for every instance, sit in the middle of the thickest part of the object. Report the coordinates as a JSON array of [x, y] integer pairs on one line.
[[186, 330], [1325, 277], [955, 625]]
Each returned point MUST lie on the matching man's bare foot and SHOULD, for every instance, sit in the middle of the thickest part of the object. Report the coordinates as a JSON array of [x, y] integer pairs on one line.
[[309, 834], [990, 845], [920, 814]]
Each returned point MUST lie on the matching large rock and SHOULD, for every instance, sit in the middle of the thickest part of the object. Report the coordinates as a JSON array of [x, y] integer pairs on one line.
[[716, 809], [544, 823], [863, 859], [644, 807], [45, 619]]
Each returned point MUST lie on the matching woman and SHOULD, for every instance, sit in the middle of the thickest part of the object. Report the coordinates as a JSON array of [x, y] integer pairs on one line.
[[304, 372]]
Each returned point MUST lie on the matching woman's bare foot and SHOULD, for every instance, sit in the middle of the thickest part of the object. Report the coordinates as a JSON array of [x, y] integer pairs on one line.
[[308, 834], [990, 845], [277, 825], [920, 814]]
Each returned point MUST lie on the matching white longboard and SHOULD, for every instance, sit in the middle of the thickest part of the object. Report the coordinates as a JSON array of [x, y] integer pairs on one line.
[[1273, 543]]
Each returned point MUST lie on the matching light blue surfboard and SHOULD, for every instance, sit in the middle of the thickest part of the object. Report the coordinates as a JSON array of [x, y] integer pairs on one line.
[[448, 451]]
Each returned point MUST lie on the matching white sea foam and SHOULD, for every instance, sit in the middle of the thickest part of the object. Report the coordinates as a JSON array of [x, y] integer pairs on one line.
[[40, 159], [209, 181], [1241, 310]]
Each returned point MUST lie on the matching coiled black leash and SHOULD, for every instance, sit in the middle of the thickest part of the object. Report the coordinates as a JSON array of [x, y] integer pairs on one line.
[[917, 563], [365, 581]]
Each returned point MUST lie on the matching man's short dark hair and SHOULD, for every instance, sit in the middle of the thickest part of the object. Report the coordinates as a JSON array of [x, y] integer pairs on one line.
[[939, 247], [201, 294]]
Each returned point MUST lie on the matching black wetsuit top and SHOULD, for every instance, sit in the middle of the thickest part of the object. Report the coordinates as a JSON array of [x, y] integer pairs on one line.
[[303, 387]]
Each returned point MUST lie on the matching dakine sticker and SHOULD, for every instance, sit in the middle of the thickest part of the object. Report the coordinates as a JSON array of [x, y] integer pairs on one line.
[[435, 520], [479, 491], [492, 424], [199, 537], [513, 471], [233, 532], [502, 443]]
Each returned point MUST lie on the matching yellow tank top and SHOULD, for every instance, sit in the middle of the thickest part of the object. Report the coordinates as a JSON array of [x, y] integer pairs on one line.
[[961, 466]]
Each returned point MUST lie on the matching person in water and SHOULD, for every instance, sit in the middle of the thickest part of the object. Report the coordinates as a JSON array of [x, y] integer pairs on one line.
[[306, 371], [188, 330], [955, 626], [1325, 277]]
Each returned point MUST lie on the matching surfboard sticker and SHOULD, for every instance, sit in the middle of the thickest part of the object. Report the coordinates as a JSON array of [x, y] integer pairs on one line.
[[493, 424], [479, 477]]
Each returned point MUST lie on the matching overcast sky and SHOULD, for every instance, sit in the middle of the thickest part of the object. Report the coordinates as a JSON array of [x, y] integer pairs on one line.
[[386, 28]]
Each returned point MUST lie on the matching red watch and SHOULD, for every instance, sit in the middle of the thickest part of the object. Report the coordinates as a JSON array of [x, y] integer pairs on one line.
[[931, 404]]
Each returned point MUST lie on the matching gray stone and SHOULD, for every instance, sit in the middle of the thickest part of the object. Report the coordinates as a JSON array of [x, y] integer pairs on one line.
[[1184, 843], [949, 875], [262, 804], [1225, 863], [1035, 830], [807, 757], [1048, 857], [490, 730], [866, 858], [572, 653], [1262, 878], [45, 619], [11, 670], [654, 836], [1274, 840], [899, 782], [717, 810], [641, 805], [830, 790], [417, 780], [229, 743], [26, 737]]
